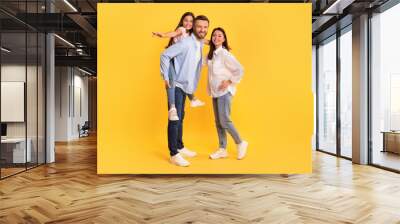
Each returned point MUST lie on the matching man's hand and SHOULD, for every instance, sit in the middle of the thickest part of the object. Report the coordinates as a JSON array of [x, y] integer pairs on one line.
[[167, 84], [224, 85]]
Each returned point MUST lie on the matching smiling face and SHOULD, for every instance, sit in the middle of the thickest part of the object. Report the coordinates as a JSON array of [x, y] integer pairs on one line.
[[218, 38], [188, 22], [200, 28]]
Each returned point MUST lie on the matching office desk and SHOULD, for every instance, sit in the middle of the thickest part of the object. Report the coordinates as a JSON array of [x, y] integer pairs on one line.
[[13, 150], [391, 141]]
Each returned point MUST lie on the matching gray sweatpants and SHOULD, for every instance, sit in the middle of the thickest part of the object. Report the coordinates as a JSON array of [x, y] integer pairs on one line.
[[222, 113]]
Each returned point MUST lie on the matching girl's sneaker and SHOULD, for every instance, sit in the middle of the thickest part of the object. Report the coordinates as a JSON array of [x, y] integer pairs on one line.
[[242, 149], [196, 103], [173, 114]]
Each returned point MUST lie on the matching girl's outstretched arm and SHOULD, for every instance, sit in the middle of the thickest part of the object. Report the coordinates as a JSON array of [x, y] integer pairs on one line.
[[171, 34]]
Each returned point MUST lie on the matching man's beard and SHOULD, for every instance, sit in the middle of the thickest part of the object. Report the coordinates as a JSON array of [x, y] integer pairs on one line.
[[198, 36]]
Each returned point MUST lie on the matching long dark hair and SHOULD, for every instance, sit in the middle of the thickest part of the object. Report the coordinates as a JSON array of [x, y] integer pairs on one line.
[[171, 40], [212, 45]]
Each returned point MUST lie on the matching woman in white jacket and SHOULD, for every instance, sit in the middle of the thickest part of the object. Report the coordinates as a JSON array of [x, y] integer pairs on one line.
[[224, 73]]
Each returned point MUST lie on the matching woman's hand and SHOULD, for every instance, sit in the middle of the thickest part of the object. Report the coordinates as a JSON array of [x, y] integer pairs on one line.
[[224, 85], [167, 84], [158, 34]]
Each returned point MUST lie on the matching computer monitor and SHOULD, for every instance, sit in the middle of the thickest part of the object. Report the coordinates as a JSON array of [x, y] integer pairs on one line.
[[3, 129]]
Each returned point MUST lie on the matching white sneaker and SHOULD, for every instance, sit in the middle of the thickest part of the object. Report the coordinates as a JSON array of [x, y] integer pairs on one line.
[[179, 160], [219, 154], [173, 115], [197, 103], [242, 149], [186, 152]]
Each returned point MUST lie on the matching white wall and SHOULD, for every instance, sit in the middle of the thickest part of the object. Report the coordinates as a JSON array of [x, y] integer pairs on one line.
[[71, 87], [33, 127], [12, 73], [80, 83], [314, 91], [62, 80]]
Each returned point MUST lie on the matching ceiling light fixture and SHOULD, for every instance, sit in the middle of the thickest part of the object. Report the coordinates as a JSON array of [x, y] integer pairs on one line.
[[337, 7], [70, 5], [64, 40], [5, 50], [84, 71]]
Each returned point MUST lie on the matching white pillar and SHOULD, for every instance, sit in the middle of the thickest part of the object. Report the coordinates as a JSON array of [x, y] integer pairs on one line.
[[50, 91], [360, 90]]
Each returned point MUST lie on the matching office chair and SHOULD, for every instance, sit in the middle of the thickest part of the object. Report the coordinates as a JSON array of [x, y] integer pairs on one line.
[[84, 130]]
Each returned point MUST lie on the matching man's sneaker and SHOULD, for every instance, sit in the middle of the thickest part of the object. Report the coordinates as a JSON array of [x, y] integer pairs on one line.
[[173, 115], [242, 149], [179, 160], [196, 103], [186, 152], [219, 154]]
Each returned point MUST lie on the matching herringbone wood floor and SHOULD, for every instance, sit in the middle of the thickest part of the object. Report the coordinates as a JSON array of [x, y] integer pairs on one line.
[[69, 191]]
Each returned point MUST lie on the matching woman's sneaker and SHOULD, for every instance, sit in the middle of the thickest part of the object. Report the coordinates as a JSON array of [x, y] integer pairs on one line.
[[219, 154], [196, 103], [242, 149], [173, 114]]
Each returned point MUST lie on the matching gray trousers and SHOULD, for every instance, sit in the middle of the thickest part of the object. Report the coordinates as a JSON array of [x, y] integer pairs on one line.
[[222, 113]]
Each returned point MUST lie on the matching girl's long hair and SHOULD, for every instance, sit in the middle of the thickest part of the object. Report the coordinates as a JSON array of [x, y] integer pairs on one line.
[[171, 40], [212, 45]]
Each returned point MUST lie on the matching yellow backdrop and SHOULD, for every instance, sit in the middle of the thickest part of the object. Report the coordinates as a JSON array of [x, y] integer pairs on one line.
[[273, 108]]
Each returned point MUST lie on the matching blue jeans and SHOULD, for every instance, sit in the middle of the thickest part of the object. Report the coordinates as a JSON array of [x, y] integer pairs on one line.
[[222, 113], [175, 128], [171, 93], [171, 80]]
